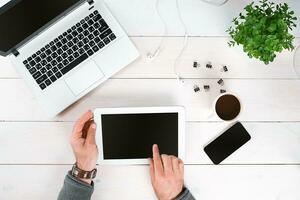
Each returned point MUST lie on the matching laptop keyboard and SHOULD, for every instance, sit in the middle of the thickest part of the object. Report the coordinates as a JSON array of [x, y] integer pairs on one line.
[[69, 49]]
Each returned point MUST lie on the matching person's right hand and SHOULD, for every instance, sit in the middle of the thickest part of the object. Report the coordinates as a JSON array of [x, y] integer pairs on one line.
[[167, 174]]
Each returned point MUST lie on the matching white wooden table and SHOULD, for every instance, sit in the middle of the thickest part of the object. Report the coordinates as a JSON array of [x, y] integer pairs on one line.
[[34, 150]]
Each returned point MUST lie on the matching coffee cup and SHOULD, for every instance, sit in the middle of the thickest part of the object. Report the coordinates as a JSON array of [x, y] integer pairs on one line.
[[227, 107]]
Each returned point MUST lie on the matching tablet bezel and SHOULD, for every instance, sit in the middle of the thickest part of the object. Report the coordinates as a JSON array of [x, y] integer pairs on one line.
[[138, 110]]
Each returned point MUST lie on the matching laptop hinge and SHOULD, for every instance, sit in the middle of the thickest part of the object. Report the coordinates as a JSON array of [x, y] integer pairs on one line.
[[91, 2], [15, 52]]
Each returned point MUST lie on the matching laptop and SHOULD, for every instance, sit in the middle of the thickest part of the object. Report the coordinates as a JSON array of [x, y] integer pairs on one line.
[[63, 48]]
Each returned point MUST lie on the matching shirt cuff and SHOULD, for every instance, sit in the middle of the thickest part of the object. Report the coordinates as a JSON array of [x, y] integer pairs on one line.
[[72, 180], [185, 195]]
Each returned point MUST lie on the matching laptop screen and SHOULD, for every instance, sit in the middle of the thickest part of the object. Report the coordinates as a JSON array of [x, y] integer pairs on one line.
[[20, 19], [131, 136]]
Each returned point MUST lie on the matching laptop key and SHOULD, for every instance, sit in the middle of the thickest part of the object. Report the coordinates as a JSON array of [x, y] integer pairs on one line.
[[103, 25], [42, 86], [60, 66], [48, 82], [53, 78], [53, 63], [71, 58], [76, 54], [60, 51], [27, 66], [73, 64], [59, 59], [81, 51], [97, 17], [90, 52], [106, 40], [90, 22], [58, 75], [66, 62], [55, 69], [112, 36], [44, 62], [49, 73], [48, 67], [64, 55], [36, 75], [41, 79], [86, 47], [43, 55], [96, 12], [105, 33], [43, 70], [95, 48], [101, 45], [97, 40], [38, 66]]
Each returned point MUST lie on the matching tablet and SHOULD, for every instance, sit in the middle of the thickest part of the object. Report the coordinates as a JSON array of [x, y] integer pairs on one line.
[[126, 135]]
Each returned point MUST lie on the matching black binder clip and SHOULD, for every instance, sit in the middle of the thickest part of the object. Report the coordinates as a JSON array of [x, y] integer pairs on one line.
[[222, 91], [209, 65], [221, 82], [196, 88], [195, 64], [224, 68], [206, 87]]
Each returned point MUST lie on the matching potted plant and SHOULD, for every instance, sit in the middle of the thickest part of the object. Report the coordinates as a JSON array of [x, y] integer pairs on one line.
[[263, 30]]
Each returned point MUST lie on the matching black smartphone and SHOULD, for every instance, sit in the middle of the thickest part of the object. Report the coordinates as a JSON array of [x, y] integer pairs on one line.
[[227, 143]]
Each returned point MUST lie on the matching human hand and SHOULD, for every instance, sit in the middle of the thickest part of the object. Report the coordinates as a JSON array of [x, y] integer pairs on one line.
[[166, 175], [83, 142]]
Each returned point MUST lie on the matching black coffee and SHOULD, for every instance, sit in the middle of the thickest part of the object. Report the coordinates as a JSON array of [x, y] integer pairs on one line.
[[228, 107]]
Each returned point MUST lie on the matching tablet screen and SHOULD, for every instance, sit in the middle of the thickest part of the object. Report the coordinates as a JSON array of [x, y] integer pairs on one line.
[[131, 136]]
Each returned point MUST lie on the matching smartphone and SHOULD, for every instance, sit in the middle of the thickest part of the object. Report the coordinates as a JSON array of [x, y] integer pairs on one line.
[[227, 143]]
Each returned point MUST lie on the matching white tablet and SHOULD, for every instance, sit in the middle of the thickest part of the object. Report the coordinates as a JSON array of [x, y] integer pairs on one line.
[[126, 135]]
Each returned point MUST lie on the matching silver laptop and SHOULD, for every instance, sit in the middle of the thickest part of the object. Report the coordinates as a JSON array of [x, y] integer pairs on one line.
[[63, 48]]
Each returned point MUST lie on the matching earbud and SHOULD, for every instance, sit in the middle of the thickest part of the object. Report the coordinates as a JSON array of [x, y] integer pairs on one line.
[[151, 56]]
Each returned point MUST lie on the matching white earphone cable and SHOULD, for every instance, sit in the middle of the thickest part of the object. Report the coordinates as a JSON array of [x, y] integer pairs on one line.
[[184, 43], [164, 34], [215, 4], [294, 61]]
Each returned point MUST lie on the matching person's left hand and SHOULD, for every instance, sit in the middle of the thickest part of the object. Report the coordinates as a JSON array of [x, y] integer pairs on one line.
[[84, 146]]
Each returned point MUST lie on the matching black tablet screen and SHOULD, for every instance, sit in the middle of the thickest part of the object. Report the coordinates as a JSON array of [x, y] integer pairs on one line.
[[131, 136]]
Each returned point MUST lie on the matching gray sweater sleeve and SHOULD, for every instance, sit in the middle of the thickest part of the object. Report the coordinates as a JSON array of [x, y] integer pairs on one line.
[[74, 189], [185, 195]]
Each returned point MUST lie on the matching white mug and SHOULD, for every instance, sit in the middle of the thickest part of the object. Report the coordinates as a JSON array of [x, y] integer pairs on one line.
[[215, 104]]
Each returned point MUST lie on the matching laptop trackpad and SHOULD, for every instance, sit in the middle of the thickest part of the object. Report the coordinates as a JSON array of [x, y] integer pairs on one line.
[[83, 78]]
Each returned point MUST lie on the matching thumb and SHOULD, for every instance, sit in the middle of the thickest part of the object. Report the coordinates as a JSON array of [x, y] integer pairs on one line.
[[91, 134]]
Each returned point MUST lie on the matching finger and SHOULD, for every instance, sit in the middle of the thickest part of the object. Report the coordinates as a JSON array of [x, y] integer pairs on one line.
[[175, 164], [151, 169], [158, 167], [181, 166], [91, 134], [167, 163], [81, 122]]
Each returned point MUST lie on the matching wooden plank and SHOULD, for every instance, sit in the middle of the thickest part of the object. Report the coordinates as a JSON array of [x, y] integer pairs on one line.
[[48, 143], [262, 100], [202, 19], [201, 49], [132, 182]]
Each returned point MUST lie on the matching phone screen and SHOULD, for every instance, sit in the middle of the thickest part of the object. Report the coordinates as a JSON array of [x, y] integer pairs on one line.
[[227, 143]]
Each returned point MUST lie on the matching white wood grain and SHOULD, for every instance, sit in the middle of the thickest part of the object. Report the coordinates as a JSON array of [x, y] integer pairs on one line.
[[201, 49], [132, 182], [48, 143], [262, 100], [140, 18]]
